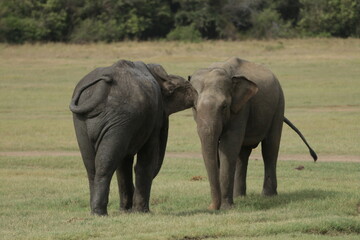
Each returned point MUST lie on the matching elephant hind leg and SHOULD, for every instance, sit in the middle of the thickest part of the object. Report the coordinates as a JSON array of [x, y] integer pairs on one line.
[[147, 158], [270, 160], [241, 171], [124, 175], [109, 156], [270, 150], [87, 153]]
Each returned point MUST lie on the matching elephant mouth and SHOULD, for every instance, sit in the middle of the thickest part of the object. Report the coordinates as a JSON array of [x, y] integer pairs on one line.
[[191, 95]]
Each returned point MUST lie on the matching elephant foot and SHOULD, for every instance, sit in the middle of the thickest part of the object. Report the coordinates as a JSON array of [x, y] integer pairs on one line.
[[239, 191], [126, 206], [269, 192], [214, 206], [226, 206], [239, 194], [125, 210], [141, 209], [99, 212]]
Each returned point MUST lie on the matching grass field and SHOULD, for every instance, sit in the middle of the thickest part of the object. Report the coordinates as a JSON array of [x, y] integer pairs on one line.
[[46, 197]]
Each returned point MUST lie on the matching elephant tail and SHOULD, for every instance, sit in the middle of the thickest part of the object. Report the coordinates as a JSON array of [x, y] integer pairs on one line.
[[312, 152], [97, 96]]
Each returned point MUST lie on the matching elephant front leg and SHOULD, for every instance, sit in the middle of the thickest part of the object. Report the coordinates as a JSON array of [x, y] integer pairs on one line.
[[229, 149], [124, 175], [144, 173], [228, 154], [227, 172], [241, 172]]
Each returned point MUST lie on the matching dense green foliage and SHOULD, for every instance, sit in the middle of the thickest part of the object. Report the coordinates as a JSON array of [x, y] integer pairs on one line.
[[193, 20]]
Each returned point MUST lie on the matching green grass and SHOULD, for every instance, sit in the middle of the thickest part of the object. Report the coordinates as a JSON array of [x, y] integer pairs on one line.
[[47, 197]]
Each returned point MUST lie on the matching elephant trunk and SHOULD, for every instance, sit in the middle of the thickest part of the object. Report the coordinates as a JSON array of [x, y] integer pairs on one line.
[[209, 133]]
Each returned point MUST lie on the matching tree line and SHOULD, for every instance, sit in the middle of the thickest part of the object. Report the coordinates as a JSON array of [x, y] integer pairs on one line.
[[82, 21]]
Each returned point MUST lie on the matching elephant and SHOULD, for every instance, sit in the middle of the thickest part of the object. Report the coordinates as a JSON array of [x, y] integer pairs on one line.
[[238, 105], [121, 111]]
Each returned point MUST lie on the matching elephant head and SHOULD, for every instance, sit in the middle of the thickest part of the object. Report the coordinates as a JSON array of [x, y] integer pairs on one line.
[[178, 94], [220, 95]]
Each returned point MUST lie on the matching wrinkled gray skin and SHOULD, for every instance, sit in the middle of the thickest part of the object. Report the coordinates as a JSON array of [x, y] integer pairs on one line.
[[239, 105], [120, 111]]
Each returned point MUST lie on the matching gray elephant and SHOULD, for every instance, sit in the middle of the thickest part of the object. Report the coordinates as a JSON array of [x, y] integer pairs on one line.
[[121, 111], [239, 105]]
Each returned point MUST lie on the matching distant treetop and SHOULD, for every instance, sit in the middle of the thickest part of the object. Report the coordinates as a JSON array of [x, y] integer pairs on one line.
[[84, 21]]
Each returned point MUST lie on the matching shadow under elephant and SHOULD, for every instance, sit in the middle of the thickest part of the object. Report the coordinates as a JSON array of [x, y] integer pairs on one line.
[[256, 202]]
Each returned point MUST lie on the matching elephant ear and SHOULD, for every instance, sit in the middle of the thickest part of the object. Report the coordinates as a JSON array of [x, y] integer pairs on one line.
[[162, 78], [243, 90]]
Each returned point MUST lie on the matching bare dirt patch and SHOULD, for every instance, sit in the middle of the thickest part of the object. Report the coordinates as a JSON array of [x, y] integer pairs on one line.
[[340, 108], [282, 157], [197, 178], [39, 153]]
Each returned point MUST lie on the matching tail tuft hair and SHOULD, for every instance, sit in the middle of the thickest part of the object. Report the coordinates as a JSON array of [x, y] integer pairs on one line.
[[313, 154]]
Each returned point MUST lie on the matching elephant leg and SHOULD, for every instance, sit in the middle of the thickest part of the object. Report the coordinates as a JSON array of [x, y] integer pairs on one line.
[[270, 150], [124, 175], [110, 154], [241, 171], [87, 153], [89, 162], [228, 153], [147, 158]]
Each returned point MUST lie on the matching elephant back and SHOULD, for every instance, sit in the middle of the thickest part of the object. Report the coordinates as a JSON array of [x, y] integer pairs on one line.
[[134, 87], [121, 87]]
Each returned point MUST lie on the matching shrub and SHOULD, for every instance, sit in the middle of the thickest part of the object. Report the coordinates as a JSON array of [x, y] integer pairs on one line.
[[339, 18], [91, 30], [56, 25], [17, 30], [186, 20], [268, 24], [185, 33]]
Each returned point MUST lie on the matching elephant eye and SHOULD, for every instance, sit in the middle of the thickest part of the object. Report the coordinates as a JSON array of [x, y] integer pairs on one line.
[[224, 106]]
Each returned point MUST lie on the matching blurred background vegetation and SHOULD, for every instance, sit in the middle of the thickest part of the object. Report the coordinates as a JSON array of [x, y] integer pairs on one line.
[[83, 21]]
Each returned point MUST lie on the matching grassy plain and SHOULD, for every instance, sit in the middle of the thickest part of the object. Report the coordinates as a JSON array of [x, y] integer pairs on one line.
[[47, 197], [320, 78]]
